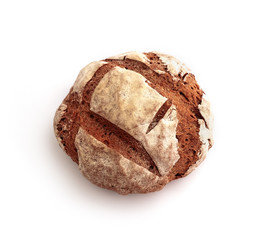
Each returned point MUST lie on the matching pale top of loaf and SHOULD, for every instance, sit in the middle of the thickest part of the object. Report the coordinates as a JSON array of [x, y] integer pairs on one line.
[[124, 98]]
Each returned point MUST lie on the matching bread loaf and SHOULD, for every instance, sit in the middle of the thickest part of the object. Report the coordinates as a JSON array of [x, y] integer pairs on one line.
[[134, 122]]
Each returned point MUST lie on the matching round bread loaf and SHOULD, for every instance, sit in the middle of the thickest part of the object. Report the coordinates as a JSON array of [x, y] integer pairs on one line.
[[134, 122]]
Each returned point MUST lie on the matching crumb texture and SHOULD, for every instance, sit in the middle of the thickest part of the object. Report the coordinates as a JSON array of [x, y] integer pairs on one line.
[[135, 121]]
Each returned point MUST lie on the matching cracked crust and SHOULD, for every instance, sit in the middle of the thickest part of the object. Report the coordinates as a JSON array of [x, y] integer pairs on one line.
[[174, 66], [135, 121]]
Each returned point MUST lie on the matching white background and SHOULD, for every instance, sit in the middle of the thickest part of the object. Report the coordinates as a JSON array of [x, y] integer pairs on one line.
[[43, 46]]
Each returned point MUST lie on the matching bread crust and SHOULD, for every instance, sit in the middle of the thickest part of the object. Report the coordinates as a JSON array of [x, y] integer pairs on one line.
[[134, 122]]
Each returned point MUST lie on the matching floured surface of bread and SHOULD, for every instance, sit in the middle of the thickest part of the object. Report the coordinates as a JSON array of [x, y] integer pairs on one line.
[[135, 121]]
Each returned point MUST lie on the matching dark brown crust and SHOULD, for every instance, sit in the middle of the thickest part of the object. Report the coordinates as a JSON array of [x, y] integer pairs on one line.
[[183, 92], [155, 62], [159, 115]]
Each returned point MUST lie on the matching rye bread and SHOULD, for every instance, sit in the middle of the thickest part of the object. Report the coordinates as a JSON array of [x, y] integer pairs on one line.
[[134, 122]]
